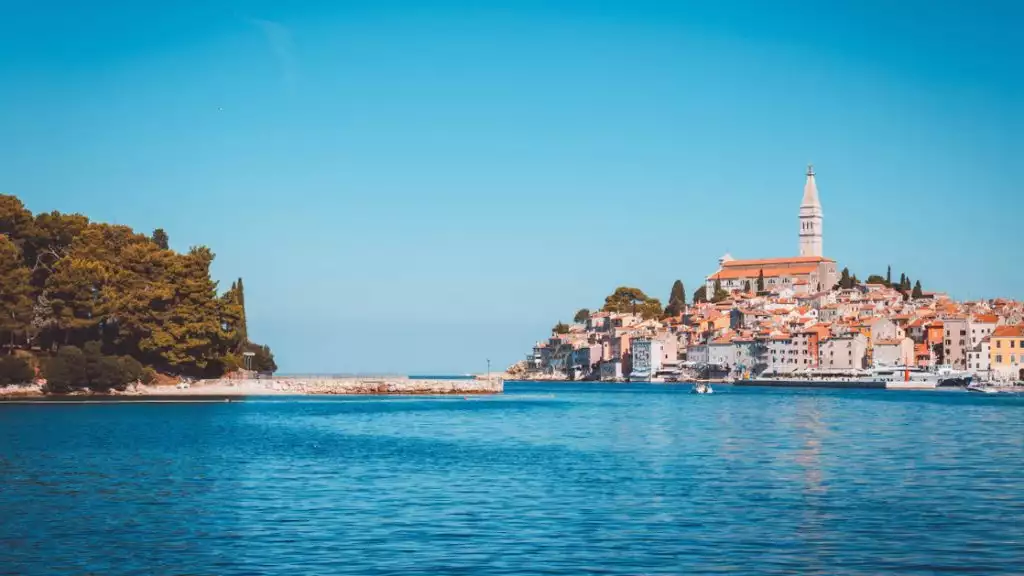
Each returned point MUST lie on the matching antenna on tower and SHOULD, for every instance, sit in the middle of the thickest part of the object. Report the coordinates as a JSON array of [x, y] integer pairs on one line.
[[810, 169]]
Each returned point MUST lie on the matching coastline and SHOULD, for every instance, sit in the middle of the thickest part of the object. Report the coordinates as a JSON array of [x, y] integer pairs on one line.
[[221, 390]]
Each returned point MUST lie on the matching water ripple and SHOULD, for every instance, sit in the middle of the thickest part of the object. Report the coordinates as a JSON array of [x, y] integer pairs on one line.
[[559, 479]]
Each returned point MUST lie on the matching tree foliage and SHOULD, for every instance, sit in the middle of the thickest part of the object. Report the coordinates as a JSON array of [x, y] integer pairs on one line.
[[15, 370], [917, 292], [581, 316], [876, 279], [160, 239], [560, 328], [760, 281], [700, 295], [719, 294], [845, 280], [628, 300], [66, 281], [676, 300]]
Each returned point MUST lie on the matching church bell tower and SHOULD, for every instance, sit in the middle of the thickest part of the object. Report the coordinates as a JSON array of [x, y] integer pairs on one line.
[[810, 218]]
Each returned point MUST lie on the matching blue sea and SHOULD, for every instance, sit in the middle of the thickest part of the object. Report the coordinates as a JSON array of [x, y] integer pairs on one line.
[[545, 479]]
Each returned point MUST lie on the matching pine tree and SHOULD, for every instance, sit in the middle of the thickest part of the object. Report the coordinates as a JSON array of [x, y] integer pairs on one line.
[[676, 299], [760, 280], [160, 238], [888, 275], [917, 293], [15, 292], [700, 295]]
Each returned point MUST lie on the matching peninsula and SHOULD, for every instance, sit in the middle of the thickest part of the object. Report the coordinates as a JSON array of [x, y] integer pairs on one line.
[[783, 316]]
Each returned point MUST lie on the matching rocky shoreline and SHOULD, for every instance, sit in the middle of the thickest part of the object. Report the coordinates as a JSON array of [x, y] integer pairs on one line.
[[225, 388]]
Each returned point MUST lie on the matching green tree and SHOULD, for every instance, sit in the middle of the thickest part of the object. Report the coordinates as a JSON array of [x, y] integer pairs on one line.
[[888, 275], [160, 239], [131, 369], [760, 280], [746, 286], [582, 315], [263, 361], [560, 328], [16, 221], [845, 281], [66, 371], [700, 295], [876, 279], [628, 300], [676, 300], [15, 370], [15, 293], [719, 294], [917, 293]]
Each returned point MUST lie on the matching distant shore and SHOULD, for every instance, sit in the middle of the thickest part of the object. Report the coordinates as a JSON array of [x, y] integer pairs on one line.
[[226, 389]]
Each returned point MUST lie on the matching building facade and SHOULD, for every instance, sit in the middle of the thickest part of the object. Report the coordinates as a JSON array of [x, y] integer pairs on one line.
[[1006, 349], [844, 352]]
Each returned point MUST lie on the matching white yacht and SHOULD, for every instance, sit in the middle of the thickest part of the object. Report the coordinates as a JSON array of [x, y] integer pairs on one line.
[[906, 377]]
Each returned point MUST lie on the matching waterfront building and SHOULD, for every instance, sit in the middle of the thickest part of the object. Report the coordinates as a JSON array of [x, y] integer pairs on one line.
[[979, 358], [845, 352], [647, 358], [893, 352], [955, 344], [1006, 352]]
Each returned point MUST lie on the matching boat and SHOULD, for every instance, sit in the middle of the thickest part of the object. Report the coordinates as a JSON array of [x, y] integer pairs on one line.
[[701, 388], [995, 388], [950, 378], [906, 377]]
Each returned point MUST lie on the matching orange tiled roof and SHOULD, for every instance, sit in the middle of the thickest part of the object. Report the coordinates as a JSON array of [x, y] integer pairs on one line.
[[726, 274], [775, 261], [986, 318], [1014, 331]]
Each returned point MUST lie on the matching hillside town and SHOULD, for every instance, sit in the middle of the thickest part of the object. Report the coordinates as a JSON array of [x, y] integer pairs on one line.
[[784, 316]]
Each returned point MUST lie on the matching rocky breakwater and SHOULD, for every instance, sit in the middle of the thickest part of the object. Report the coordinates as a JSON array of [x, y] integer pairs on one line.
[[367, 386]]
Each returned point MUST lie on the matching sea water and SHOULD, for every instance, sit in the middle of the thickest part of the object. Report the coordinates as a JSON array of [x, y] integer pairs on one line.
[[545, 479]]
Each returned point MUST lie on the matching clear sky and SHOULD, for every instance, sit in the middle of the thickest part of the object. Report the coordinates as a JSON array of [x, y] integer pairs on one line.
[[418, 186]]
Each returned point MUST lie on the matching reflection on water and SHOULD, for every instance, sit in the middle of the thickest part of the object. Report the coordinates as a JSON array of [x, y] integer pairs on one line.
[[553, 479]]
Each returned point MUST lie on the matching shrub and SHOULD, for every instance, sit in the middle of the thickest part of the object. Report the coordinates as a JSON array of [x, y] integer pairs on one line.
[[148, 375], [131, 369], [67, 370], [15, 370]]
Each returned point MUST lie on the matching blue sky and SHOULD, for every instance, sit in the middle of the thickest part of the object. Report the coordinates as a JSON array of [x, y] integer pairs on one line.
[[418, 186]]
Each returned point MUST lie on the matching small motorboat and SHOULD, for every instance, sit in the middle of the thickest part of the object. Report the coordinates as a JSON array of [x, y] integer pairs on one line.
[[988, 388], [701, 388]]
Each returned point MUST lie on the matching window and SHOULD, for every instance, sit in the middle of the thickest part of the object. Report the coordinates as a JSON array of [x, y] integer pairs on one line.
[[999, 343], [1012, 343], [1013, 359], [999, 358]]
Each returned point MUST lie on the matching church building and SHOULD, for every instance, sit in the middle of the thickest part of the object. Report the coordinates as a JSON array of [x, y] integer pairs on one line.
[[806, 273]]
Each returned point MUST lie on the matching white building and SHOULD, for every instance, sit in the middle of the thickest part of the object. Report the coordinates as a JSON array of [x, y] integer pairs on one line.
[[893, 352], [979, 359], [811, 218], [647, 358]]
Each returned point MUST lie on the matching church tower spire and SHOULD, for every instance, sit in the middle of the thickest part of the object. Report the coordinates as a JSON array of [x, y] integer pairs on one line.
[[810, 218]]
